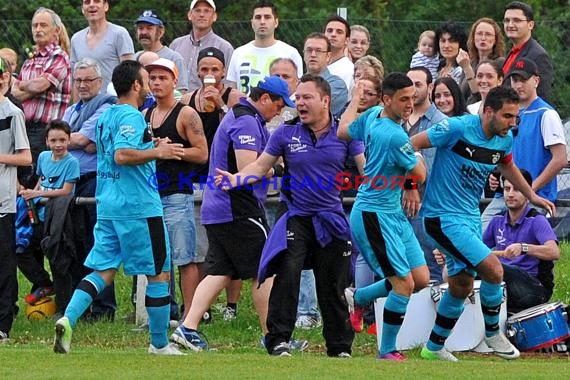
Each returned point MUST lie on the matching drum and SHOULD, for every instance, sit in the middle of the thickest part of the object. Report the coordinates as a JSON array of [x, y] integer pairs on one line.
[[538, 327], [419, 319], [469, 331]]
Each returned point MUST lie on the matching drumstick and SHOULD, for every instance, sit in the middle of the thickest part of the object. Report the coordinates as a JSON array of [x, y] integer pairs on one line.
[[498, 253]]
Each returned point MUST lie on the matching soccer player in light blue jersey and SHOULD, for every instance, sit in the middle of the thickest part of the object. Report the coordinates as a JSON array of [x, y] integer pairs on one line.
[[130, 230], [468, 149]]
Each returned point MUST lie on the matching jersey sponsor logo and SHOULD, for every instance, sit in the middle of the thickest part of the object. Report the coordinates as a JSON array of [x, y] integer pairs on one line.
[[290, 235], [127, 130], [407, 148], [246, 140], [296, 146], [472, 178]]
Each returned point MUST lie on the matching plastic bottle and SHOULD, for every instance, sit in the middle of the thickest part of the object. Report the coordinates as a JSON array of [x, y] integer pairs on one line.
[[209, 106], [32, 212]]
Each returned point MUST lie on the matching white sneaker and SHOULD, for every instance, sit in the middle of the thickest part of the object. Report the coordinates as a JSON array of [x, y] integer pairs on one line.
[[169, 349], [502, 347], [307, 322]]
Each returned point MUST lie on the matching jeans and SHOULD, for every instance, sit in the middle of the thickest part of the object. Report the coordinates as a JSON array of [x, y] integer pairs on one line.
[[435, 270], [523, 290], [308, 295], [495, 207]]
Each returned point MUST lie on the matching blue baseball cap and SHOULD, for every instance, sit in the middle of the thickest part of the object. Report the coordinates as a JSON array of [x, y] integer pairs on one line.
[[150, 17], [276, 86]]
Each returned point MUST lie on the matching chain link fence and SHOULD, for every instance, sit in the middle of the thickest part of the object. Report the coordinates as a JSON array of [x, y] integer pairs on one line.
[[392, 41]]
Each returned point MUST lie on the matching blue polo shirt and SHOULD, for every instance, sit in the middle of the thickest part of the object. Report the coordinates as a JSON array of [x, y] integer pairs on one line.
[[311, 182], [533, 229], [243, 128], [389, 155], [463, 161]]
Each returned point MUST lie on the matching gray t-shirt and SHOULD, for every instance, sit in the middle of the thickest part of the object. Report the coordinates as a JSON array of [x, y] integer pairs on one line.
[[117, 42], [12, 138], [168, 53]]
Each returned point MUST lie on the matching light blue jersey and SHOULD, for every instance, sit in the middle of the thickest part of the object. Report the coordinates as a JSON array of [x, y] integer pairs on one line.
[[465, 157], [389, 156], [124, 191], [55, 174]]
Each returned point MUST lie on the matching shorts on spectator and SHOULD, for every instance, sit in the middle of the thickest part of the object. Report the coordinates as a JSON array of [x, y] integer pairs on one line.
[[235, 248]]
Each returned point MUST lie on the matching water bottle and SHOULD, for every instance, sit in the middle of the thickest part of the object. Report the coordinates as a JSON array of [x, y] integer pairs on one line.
[[209, 106], [32, 212]]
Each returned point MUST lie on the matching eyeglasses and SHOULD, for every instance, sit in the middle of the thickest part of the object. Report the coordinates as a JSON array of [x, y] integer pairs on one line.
[[514, 20], [485, 34], [310, 51], [86, 80]]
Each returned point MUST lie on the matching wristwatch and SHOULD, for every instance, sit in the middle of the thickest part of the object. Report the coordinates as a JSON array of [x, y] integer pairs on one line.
[[524, 247], [225, 108]]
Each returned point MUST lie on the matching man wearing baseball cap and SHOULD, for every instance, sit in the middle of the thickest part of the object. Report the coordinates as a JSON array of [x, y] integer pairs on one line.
[[236, 216], [172, 120], [149, 33], [539, 145], [202, 15]]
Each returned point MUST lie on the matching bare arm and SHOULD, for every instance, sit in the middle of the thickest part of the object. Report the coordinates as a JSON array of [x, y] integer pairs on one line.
[[163, 150], [126, 57], [22, 157], [65, 190], [548, 251], [27, 89], [252, 169], [350, 113], [513, 174], [194, 133], [421, 141], [556, 164], [360, 161], [78, 141]]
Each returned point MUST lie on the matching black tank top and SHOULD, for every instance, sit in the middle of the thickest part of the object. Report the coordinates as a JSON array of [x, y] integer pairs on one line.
[[173, 176], [210, 122]]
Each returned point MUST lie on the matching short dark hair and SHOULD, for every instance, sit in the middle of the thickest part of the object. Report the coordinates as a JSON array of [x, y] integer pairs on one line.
[[318, 36], [395, 81], [321, 83], [256, 93], [58, 125], [425, 70], [266, 4], [455, 30], [497, 68], [524, 7], [459, 107], [341, 20], [500, 95], [125, 75], [526, 175]]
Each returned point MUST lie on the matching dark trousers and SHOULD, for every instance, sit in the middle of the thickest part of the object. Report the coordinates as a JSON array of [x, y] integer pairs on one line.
[[36, 132], [105, 304], [331, 266], [31, 261], [8, 278], [523, 290]]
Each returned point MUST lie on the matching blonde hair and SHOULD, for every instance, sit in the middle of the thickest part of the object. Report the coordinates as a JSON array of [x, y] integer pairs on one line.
[[426, 33], [11, 57], [372, 62]]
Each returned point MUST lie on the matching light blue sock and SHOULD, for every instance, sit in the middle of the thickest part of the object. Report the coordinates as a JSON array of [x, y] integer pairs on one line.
[[157, 304], [491, 299], [394, 311], [368, 294], [448, 312], [83, 295]]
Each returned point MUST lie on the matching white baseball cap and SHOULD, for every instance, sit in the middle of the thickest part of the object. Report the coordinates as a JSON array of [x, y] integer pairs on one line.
[[210, 3]]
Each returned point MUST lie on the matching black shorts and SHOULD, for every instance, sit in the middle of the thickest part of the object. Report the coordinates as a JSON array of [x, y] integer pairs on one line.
[[235, 248]]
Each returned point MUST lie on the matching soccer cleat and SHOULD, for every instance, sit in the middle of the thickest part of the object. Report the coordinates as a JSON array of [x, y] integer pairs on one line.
[[344, 355], [356, 312], [502, 347], [63, 332], [4, 338], [394, 356], [307, 322], [229, 313], [282, 349], [442, 354], [169, 349], [38, 294], [188, 338]]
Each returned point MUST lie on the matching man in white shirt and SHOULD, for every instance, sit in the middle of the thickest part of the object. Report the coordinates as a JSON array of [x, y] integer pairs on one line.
[[337, 30], [251, 61]]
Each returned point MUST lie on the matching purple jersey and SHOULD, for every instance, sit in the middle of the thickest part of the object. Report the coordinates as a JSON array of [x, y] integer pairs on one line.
[[531, 229], [242, 128], [312, 166]]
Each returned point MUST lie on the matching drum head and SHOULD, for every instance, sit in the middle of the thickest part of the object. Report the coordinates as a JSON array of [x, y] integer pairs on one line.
[[534, 311]]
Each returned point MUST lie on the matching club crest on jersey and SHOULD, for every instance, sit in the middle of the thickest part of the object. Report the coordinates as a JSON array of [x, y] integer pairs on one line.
[[246, 140], [495, 158]]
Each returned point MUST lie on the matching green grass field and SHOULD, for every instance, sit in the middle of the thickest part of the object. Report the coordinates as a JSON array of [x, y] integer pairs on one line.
[[115, 350]]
